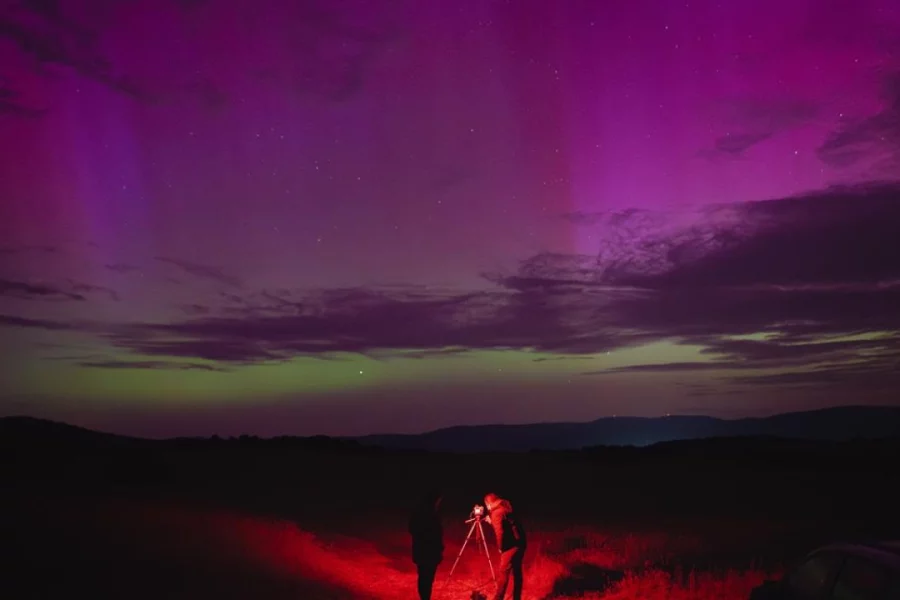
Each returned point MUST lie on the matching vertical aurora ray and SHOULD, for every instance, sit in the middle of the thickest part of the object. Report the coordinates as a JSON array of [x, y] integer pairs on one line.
[[106, 182]]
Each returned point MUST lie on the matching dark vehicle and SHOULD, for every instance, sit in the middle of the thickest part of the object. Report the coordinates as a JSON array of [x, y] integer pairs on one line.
[[857, 571]]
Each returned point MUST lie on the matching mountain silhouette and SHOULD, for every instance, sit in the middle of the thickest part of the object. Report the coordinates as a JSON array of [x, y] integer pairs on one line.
[[43, 434], [830, 424]]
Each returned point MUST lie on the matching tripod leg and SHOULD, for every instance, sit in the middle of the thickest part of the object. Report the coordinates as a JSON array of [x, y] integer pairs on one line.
[[458, 556], [487, 553]]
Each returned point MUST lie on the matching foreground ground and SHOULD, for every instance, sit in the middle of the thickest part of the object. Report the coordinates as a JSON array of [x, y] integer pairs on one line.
[[128, 549], [265, 522]]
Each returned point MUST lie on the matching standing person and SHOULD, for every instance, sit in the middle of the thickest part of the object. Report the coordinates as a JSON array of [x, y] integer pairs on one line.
[[511, 541], [427, 540]]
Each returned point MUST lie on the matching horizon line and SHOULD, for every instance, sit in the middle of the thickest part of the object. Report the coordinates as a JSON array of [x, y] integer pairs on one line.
[[449, 427]]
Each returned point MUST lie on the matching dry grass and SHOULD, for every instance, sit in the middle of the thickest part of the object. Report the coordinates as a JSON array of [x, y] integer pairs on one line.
[[594, 564], [568, 563], [276, 556]]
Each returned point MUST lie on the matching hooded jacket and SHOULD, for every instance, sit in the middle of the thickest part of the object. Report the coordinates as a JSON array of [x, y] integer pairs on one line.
[[507, 528]]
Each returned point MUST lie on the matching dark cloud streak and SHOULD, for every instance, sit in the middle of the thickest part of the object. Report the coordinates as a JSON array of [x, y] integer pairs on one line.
[[31, 291], [43, 31], [10, 104], [332, 55], [150, 365], [14, 321], [122, 268], [753, 121], [876, 137], [817, 265], [87, 288], [68, 291], [202, 271], [815, 273]]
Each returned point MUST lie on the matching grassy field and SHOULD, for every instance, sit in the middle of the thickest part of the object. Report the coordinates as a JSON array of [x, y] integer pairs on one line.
[[156, 549], [278, 524]]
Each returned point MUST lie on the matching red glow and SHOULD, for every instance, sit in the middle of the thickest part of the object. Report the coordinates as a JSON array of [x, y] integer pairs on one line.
[[380, 568]]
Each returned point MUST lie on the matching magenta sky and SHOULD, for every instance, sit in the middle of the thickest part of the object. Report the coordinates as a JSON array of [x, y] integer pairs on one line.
[[343, 217]]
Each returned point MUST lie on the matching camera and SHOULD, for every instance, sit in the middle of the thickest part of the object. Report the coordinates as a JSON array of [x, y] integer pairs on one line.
[[477, 511]]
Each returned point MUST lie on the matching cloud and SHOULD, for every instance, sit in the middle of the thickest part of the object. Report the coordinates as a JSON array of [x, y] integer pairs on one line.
[[149, 364], [43, 31], [845, 239], [10, 104], [866, 376], [122, 268], [751, 121], [876, 137], [195, 309], [332, 54], [814, 278], [13, 250], [64, 291], [319, 50], [87, 288], [777, 352], [23, 322], [349, 320], [202, 271], [31, 291], [670, 367], [416, 354], [211, 96], [785, 348], [735, 144], [815, 265], [563, 357]]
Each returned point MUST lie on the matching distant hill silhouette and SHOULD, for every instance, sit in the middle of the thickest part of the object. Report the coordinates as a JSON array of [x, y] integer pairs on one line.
[[30, 433], [826, 425], [22, 432], [830, 424]]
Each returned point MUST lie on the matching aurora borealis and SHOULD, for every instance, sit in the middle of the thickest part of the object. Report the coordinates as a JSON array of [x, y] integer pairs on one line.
[[228, 216]]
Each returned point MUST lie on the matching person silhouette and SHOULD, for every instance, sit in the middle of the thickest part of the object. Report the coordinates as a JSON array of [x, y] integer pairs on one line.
[[427, 534], [511, 543]]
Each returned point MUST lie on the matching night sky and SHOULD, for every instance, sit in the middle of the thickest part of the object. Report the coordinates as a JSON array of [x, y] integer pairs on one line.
[[344, 217]]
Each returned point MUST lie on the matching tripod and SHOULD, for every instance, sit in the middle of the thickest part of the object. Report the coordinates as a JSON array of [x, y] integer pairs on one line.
[[477, 529]]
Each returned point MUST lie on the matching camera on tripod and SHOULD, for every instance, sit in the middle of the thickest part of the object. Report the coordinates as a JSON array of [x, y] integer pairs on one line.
[[478, 519]]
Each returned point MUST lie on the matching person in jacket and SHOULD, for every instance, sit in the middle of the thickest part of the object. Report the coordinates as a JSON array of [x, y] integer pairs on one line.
[[511, 541], [427, 540]]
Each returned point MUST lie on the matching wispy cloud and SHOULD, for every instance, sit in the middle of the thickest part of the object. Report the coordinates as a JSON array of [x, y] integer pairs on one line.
[[14, 250], [563, 357], [670, 367], [202, 271], [861, 376], [195, 309], [123, 268], [778, 352], [417, 354], [315, 29], [23, 322], [751, 121], [44, 31], [325, 53], [66, 290], [814, 278], [31, 291], [10, 104], [156, 365], [873, 138], [735, 144], [87, 288]]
